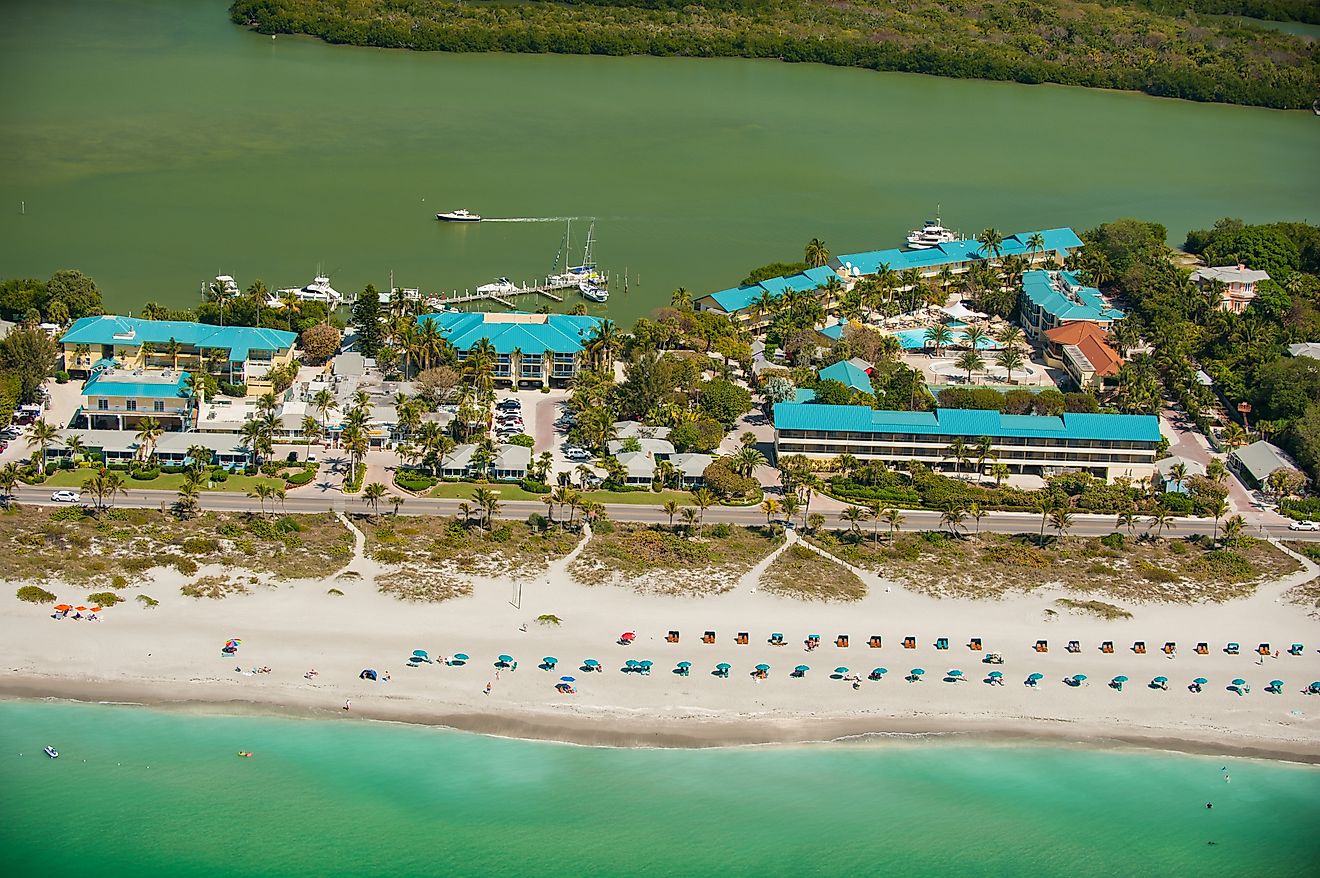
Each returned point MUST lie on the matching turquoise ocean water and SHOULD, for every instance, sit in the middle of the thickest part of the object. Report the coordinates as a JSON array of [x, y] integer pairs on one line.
[[142, 792]]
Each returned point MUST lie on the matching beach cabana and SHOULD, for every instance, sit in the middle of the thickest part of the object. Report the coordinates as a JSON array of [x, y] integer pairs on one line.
[[672, 637], [1295, 649], [1202, 648], [875, 642], [942, 643], [548, 663], [776, 639], [708, 637], [909, 643], [743, 638]]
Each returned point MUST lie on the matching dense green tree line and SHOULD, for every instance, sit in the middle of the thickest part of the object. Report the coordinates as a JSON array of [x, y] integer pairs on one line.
[[1106, 45], [1270, 10]]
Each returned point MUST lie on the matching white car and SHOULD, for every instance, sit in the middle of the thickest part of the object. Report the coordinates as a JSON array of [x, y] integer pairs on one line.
[[577, 454], [66, 496], [1304, 525]]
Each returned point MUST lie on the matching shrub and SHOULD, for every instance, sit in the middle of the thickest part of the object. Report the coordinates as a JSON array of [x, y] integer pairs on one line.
[[173, 468], [1175, 502], [720, 531], [534, 487], [218, 475], [501, 534], [413, 481], [186, 566], [201, 545], [61, 377], [147, 602], [335, 593], [1229, 565], [119, 581], [1113, 541], [35, 594], [300, 478], [319, 343], [1178, 547], [104, 598], [522, 439], [235, 390]]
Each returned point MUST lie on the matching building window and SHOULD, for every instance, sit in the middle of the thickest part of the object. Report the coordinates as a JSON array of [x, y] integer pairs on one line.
[[158, 405], [131, 405], [103, 404]]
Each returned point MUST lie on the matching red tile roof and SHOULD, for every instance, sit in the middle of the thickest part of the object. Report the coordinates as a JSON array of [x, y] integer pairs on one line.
[[1091, 340]]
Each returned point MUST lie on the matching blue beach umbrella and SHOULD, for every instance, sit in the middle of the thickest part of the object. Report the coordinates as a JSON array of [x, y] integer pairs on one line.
[[1200, 681], [917, 672], [1239, 682], [955, 673], [1276, 685], [645, 663], [685, 664], [1315, 687], [568, 679], [996, 674], [763, 667], [723, 666], [460, 657], [632, 663], [1080, 678], [420, 653], [1160, 680], [840, 670], [506, 658], [1120, 679], [591, 663], [550, 660], [1035, 676], [802, 669], [880, 671]]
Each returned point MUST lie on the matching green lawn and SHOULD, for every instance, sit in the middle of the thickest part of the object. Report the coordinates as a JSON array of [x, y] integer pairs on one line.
[[507, 491], [73, 478]]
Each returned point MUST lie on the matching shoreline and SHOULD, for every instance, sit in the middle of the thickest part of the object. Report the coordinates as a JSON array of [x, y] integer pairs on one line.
[[605, 728]]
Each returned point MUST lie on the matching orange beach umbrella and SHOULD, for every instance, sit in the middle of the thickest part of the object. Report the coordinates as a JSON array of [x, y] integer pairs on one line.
[[80, 609], [63, 607]]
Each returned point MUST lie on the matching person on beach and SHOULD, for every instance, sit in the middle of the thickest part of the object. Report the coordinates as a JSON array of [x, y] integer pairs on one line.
[[346, 704], [487, 687]]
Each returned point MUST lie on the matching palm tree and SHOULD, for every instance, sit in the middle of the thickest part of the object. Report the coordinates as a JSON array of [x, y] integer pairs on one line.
[[1233, 528], [969, 361], [8, 481], [148, 434], [172, 350], [1234, 436], [703, 499], [745, 461], [1000, 471], [985, 449], [1010, 359], [975, 338], [1061, 520], [312, 431], [939, 337], [1178, 473], [1035, 244], [465, 510], [670, 508], [1044, 505], [75, 446], [690, 517], [1009, 336], [790, 503], [323, 401], [104, 485], [1128, 519], [952, 518], [992, 243], [261, 492], [1219, 509], [1160, 519], [853, 515], [489, 502], [186, 505], [681, 299], [372, 494], [1216, 470], [977, 513], [957, 452], [769, 506], [41, 436], [252, 433], [816, 253], [894, 518]]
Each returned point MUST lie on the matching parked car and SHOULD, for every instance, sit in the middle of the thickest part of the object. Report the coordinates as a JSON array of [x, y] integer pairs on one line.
[[509, 404], [1304, 525], [66, 496], [577, 454]]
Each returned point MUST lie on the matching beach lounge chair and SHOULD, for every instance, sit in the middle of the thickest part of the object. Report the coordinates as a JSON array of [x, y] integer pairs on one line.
[[1202, 648], [1263, 649], [1169, 648], [909, 643], [1139, 647], [1232, 649], [671, 637], [1107, 646], [942, 643], [1295, 649], [974, 644], [742, 639], [874, 642], [841, 640], [708, 637], [1042, 646], [1074, 646]]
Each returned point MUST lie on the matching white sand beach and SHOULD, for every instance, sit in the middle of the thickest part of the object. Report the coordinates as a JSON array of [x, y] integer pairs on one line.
[[171, 655]]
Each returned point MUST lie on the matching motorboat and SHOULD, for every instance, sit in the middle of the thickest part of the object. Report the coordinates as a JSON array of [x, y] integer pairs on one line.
[[592, 291], [459, 216], [931, 234], [227, 286], [319, 290], [51, 752], [501, 285]]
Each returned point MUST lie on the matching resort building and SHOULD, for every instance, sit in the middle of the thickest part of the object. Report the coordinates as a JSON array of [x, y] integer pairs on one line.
[[530, 349], [508, 463], [749, 303], [1305, 349], [691, 468], [237, 354], [172, 449], [1167, 473], [1236, 283], [854, 373], [119, 400], [1051, 299], [1253, 463], [1103, 445], [1082, 350]]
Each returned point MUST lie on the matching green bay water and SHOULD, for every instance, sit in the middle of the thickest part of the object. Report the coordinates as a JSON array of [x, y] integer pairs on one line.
[[143, 792], [153, 144]]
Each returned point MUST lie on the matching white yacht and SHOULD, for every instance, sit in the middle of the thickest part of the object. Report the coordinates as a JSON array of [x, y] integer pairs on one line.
[[228, 286], [591, 291], [931, 234], [319, 290], [501, 285], [459, 216]]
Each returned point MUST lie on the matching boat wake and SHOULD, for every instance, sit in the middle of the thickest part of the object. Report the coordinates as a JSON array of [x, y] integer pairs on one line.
[[530, 219]]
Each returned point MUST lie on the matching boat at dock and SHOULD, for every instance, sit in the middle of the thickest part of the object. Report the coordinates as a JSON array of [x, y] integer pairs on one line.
[[931, 234], [319, 290], [459, 216], [501, 285], [593, 292]]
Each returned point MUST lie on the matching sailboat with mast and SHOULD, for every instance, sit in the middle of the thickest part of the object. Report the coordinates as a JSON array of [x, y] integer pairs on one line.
[[586, 277]]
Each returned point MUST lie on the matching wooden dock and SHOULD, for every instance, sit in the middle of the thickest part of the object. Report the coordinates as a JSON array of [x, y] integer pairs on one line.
[[502, 298]]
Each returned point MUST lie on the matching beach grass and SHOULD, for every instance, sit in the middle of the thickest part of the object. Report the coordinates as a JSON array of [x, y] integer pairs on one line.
[[991, 565], [657, 559], [801, 573], [121, 546], [430, 556], [510, 491], [1099, 609]]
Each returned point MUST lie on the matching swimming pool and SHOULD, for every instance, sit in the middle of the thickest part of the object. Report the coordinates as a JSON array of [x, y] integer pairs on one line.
[[915, 339]]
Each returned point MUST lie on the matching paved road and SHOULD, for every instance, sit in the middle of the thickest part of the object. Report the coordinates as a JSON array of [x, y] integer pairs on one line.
[[1000, 522]]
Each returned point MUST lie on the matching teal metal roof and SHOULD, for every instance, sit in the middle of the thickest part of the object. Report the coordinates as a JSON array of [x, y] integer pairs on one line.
[[968, 423], [1065, 296], [124, 386], [529, 333], [849, 374], [869, 262], [108, 329]]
